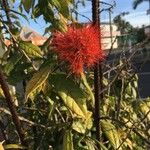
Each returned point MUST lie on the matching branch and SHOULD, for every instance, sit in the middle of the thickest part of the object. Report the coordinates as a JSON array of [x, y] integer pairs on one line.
[[132, 128], [34, 124], [10, 103], [4, 85]]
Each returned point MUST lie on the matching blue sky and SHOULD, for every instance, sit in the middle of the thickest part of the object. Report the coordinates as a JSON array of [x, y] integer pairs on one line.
[[136, 17]]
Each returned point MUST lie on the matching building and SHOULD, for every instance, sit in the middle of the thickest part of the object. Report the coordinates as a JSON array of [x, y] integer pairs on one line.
[[109, 35], [147, 31], [28, 34]]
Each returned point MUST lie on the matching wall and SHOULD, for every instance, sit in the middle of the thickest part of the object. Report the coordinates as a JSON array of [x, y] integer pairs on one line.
[[147, 31], [106, 36]]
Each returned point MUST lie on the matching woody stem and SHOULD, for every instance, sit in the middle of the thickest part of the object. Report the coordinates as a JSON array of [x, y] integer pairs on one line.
[[97, 75], [4, 85]]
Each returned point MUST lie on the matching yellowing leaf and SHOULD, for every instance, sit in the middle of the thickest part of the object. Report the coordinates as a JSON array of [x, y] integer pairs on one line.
[[1, 92], [14, 146], [145, 109], [81, 125], [71, 104], [67, 141], [111, 133], [12, 91], [37, 81], [1, 145], [72, 96]]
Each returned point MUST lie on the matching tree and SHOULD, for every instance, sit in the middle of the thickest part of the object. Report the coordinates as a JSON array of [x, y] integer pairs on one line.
[[140, 34], [123, 25], [138, 2]]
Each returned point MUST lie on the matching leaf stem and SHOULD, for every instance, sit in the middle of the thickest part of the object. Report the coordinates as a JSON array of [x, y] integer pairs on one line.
[[83, 77]]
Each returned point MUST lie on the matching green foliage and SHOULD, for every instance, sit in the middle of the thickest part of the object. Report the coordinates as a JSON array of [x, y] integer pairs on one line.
[[73, 98], [27, 4], [36, 82], [140, 34], [111, 133], [138, 2], [12, 61], [30, 49], [56, 108]]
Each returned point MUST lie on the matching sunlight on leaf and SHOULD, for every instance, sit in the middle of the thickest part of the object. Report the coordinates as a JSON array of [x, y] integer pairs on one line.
[[30, 49], [14, 146], [72, 96], [111, 133], [38, 79], [1, 145]]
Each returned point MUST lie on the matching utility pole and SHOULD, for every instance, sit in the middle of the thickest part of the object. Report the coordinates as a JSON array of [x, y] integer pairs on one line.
[[111, 29]]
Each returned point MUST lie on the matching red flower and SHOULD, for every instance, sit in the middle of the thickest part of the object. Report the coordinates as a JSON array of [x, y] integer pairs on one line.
[[79, 47]]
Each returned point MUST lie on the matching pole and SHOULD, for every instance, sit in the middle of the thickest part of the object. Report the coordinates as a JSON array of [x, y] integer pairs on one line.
[[110, 24]]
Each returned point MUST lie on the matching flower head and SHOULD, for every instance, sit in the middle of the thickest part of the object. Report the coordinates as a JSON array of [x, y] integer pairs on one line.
[[80, 47]]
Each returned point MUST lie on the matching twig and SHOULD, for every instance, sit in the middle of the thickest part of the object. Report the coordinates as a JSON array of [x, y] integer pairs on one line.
[[121, 67], [31, 123], [132, 128], [75, 11]]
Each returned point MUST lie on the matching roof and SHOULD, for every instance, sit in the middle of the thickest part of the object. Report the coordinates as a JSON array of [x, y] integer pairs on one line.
[[147, 26], [101, 23], [28, 34]]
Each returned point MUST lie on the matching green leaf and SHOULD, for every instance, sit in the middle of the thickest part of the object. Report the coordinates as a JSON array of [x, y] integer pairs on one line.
[[111, 133], [27, 4], [88, 88], [18, 73], [64, 9], [12, 61], [72, 96], [14, 146], [67, 141], [30, 49], [36, 11], [56, 3], [37, 81]]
